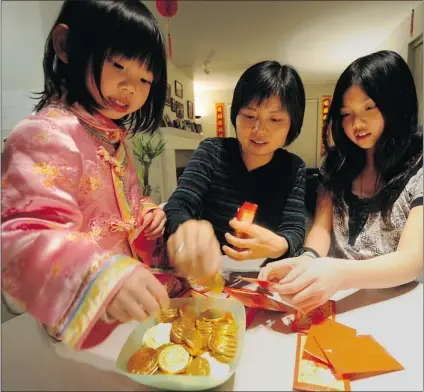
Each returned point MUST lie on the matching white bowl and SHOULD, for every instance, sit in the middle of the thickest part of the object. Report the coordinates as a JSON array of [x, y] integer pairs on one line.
[[184, 382]]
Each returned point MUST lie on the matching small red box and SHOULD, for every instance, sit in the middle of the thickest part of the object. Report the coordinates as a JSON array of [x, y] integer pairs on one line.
[[246, 213]]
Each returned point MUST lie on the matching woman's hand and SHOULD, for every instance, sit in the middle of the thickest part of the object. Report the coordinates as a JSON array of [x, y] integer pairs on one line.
[[262, 243], [194, 249], [309, 282]]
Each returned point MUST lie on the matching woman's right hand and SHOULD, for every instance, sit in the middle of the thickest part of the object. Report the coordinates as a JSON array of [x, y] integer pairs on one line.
[[140, 297], [194, 249]]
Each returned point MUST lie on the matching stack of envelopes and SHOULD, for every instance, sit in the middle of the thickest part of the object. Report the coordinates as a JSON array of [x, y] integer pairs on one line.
[[329, 355]]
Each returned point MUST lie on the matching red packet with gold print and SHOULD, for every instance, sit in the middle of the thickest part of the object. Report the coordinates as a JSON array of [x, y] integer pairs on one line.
[[255, 299], [246, 213], [303, 322], [310, 375]]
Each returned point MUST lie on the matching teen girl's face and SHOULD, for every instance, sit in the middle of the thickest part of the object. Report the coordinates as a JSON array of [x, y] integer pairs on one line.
[[362, 121], [125, 84]]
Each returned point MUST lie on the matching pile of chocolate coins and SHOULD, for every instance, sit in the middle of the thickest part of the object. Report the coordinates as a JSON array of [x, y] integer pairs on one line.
[[185, 342]]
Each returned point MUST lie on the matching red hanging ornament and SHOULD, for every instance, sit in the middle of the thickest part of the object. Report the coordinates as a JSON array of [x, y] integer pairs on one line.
[[411, 31], [168, 8]]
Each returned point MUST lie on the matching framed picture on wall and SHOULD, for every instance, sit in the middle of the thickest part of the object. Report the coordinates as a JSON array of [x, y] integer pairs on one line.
[[173, 105], [190, 109], [168, 95], [178, 89], [180, 110]]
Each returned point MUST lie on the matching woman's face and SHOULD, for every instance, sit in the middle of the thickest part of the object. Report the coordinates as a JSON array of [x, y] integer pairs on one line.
[[262, 129], [362, 121]]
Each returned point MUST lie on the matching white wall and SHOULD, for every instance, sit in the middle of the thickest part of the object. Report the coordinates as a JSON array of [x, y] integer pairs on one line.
[[175, 73], [400, 37], [22, 53]]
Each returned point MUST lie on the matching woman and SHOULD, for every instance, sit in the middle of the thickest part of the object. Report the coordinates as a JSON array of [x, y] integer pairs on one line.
[[369, 218], [267, 113]]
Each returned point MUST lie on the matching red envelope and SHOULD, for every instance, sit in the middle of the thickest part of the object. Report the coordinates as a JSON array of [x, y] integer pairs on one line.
[[263, 284], [254, 299], [303, 322]]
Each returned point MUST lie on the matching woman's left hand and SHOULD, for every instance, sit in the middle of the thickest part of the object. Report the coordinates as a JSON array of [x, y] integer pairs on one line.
[[262, 243], [310, 283], [153, 224]]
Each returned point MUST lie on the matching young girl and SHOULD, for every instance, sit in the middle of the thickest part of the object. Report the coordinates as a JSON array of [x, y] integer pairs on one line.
[[369, 218], [73, 220]]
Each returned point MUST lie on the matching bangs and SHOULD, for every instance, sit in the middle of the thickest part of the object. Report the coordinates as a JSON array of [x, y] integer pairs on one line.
[[262, 91], [130, 35]]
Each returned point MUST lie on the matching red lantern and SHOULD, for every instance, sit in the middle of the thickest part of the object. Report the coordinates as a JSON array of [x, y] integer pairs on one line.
[[168, 8]]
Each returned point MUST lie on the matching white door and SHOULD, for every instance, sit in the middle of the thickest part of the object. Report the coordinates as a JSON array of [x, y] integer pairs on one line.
[[306, 145], [229, 129]]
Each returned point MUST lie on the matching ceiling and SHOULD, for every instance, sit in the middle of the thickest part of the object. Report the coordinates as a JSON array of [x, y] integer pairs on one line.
[[318, 38]]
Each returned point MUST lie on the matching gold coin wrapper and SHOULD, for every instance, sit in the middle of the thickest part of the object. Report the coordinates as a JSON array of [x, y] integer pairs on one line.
[[193, 344]]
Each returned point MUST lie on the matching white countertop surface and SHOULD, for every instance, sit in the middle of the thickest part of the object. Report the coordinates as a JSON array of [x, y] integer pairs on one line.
[[394, 317]]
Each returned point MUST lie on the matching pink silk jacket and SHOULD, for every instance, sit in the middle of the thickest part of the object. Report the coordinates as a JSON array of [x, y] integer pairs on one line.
[[71, 212]]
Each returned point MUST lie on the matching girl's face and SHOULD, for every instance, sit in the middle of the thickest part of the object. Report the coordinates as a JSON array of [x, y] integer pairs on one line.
[[362, 121], [125, 84], [262, 129]]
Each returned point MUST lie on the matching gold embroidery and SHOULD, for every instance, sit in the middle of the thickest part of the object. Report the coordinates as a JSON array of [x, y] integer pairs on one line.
[[41, 137], [92, 236], [146, 206], [54, 174], [119, 225], [56, 268]]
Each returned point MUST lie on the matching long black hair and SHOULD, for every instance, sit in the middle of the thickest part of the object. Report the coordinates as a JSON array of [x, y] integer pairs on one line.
[[385, 77], [266, 79], [99, 29]]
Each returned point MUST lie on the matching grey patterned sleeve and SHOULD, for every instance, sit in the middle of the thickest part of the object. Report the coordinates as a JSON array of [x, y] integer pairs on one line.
[[417, 189]]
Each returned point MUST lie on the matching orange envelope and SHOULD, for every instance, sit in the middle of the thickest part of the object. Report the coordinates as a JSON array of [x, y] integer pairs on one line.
[[326, 328], [303, 322], [356, 354], [315, 376]]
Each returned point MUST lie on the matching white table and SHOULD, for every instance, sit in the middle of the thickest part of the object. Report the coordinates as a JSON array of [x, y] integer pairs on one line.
[[31, 361]]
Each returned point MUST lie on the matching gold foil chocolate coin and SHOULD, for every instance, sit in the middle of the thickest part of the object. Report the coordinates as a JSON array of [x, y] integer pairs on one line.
[[199, 367], [144, 361], [174, 359], [213, 315]]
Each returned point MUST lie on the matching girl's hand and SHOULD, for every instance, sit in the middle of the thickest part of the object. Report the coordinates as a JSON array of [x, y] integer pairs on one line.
[[194, 249], [153, 224], [308, 282], [140, 297], [262, 243]]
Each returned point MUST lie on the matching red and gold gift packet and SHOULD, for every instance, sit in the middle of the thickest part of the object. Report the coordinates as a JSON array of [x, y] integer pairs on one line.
[[246, 213], [329, 354]]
